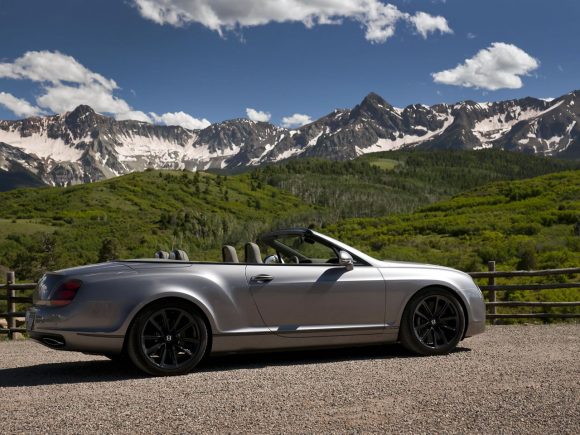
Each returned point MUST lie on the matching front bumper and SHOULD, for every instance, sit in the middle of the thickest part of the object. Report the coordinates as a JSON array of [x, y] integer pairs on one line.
[[475, 328]]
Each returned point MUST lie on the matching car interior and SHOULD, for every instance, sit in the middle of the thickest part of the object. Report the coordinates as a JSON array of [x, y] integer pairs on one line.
[[279, 249]]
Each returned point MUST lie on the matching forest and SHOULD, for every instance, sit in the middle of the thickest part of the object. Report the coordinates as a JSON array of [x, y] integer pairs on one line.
[[456, 208]]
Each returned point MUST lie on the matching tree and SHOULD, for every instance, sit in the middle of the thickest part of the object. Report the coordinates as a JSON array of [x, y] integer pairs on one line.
[[109, 250]]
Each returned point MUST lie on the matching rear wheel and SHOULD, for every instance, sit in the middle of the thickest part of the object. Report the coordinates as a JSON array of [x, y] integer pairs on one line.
[[433, 322], [167, 338]]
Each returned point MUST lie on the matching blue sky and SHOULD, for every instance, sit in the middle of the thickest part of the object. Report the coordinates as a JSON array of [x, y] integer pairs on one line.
[[170, 65]]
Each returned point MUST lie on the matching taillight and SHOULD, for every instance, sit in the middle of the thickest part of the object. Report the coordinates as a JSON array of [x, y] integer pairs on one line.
[[65, 292]]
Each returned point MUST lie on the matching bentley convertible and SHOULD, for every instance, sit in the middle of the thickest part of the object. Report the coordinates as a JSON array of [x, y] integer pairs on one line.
[[294, 289]]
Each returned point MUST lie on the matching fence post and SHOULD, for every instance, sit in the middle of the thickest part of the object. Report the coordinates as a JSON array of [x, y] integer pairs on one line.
[[10, 304], [491, 293]]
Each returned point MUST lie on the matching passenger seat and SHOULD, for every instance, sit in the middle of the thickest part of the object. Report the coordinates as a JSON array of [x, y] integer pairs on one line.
[[252, 253]]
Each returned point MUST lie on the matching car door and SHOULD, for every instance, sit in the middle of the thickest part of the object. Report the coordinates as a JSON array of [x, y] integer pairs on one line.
[[298, 300]]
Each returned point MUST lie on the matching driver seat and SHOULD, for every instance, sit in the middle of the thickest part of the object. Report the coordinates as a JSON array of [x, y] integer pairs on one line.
[[252, 253]]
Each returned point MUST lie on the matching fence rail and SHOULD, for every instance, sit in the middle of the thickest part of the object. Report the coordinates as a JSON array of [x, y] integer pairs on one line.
[[491, 288], [10, 289]]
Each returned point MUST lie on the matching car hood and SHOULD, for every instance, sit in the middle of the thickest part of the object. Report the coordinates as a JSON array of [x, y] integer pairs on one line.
[[411, 265]]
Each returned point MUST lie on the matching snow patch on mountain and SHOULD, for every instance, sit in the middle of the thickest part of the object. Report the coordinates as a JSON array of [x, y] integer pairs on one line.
[[402, 140], [42, 146]]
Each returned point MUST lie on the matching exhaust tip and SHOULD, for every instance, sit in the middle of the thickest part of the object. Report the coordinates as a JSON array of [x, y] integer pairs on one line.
[[54, 342]]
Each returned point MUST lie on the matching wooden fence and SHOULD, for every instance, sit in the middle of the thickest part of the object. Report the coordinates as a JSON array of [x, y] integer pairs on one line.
[[10, 289], [491, 288]]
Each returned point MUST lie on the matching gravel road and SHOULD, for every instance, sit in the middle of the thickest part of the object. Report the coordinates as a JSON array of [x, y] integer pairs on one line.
[[512, 379]]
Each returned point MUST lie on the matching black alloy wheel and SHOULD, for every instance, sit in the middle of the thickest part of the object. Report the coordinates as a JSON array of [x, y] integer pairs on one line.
[[167, 339], [433, 323]]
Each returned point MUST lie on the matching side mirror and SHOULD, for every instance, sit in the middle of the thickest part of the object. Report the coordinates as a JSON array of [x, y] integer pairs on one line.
[[345, 259]]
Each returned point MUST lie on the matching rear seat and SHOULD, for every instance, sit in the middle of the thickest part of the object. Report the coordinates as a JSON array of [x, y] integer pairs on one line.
[[229, 254], [180, 255], [176, 254]]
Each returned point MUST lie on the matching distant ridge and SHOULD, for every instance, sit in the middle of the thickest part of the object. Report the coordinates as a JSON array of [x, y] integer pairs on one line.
[[83, 146]]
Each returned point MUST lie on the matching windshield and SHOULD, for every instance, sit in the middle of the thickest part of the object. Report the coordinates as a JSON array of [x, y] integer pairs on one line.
[[300, 248]]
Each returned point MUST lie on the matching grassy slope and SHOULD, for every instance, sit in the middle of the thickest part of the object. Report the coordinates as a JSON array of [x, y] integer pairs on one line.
[[401, 181], [532, 223], [492, 222], [143, 212], [527, 224], [51, 228]]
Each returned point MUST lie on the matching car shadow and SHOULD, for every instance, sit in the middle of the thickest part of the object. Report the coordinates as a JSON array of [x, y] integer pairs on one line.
[[305, 357], [102, 370]]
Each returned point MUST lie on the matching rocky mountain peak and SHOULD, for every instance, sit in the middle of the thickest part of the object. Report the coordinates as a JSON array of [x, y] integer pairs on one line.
[[82, 145], [81, 121], [374, 107], [81, 112], [373, 100]]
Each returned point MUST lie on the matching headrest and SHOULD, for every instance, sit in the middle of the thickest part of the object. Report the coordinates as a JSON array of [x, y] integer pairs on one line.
[[252, 252], [229, 254], [162, 254], [181, 255]]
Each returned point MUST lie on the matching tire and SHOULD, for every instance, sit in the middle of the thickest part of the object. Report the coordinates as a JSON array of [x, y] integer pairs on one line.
[[433, 322], [167, 338]]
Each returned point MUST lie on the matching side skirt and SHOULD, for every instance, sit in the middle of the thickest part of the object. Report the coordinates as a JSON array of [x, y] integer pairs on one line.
[[263, 339]]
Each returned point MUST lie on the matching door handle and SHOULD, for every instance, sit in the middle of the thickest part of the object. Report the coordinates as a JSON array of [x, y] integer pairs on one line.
[[262, 278]]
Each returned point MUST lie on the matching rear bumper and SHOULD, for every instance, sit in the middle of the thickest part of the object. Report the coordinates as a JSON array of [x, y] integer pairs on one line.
[[50, 329], [78, 341]]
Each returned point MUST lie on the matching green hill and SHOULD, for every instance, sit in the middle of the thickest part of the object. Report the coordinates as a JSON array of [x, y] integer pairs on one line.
[[136, 214], [526, 224], [400, 181]]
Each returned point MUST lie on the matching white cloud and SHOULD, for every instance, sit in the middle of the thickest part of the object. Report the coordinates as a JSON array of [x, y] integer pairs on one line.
[[53, 67], [377, 18], [496, 67], [18, 106], [66, 84], [256, 115], [133, 115], [425, 24], [471, 35], [182, 119], [62, 98], [296, 120]]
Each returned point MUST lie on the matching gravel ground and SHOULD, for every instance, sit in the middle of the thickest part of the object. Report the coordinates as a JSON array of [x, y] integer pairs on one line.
[[512, 379]]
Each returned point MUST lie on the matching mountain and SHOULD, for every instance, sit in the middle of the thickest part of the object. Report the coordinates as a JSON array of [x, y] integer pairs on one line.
[[84, 146]]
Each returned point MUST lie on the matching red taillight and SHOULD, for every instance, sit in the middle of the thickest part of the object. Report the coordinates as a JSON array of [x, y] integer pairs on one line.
[[65, 292]]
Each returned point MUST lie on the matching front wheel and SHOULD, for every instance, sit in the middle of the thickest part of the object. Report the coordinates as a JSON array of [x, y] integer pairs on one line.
[[433, 322], [167, 339]]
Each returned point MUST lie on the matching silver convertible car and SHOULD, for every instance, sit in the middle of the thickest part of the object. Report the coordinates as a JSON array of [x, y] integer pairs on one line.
[[295, 289]]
